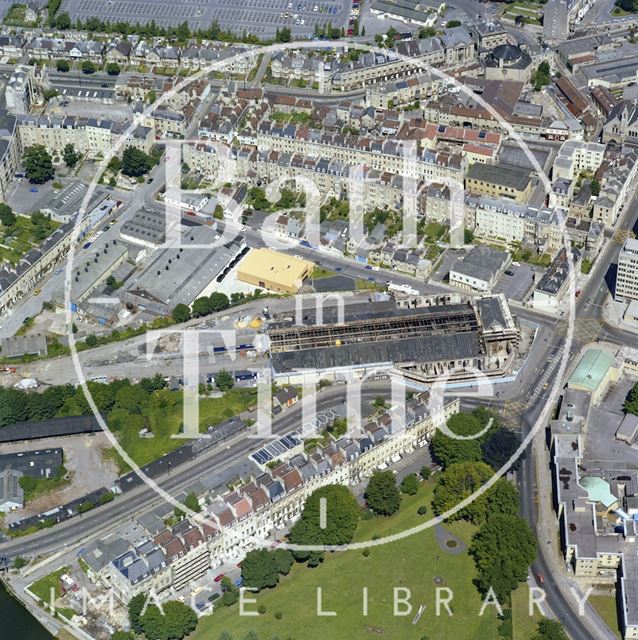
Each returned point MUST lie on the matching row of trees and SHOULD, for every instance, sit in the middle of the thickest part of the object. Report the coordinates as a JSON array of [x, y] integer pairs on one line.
[[494, 447], [17, 405], [504, 546], [181, 33], [38, 164], [88, 67], [203, 306]]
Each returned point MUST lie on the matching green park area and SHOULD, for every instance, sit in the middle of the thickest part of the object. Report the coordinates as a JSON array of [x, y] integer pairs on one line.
[[163, 418], [144, 416], [416, 562]]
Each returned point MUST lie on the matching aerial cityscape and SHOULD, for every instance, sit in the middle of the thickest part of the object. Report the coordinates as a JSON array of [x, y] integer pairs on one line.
[[319, 319]]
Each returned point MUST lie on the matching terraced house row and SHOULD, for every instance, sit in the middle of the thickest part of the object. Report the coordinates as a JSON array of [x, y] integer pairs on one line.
[[234, 522]]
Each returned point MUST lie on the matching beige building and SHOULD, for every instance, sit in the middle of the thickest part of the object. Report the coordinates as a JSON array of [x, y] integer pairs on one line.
[[275, 271]]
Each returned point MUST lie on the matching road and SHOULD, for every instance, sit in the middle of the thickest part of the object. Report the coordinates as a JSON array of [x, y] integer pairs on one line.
[[144, 498]]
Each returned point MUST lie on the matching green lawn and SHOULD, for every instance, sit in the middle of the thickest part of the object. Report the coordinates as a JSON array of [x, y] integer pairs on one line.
[[411, 563], [524, 625], [296, 117], [608, 611], [320, 272], [42, 587], [165, 419]]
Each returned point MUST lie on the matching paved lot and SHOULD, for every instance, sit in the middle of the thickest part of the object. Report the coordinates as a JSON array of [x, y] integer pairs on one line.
[[82, 458], [259, 17]]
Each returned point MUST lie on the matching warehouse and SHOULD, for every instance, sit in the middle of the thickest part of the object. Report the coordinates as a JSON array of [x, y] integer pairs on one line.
[[500, 181], [268, 269], [425, 342]]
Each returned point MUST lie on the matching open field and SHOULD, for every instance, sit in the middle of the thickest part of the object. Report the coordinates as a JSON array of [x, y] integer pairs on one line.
[[416, 563], [164, 419]]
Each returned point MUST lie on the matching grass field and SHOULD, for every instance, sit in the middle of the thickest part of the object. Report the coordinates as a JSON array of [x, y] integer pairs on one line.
[[524, 625], [42, 587], [413, 563], [607, 610], [165, 420]]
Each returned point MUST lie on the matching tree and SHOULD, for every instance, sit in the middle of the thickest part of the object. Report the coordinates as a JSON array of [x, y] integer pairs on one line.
[[191, 501], [7, 217], [503, 498], [224, 380], [457, 482], [113, 69], [410, 485], [502, 549], [70, 155], [135, 606], [425, 472], [63, 66], [63, 21], [38, 164], [259, 570], [382, 494], [19, 562], [177, 621], [541, 77], [91, 340], [88, 67], [594, 185], [453, 23], [132, 397], [500, 447], [122, 635], [283, 560], [427, 32], [201, 307], [549, 630], [449, 451], [342, 517], [218, 302], [181, 313], [41, 225], [631, 401], [135, 163]]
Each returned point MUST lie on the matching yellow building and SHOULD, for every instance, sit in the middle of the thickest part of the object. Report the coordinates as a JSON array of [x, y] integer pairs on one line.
[[275, 271]]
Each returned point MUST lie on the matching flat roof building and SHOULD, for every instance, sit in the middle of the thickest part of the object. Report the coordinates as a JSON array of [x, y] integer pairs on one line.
[[499, 180], [479, 269], [627, 275], [273, 270], [594, 373]]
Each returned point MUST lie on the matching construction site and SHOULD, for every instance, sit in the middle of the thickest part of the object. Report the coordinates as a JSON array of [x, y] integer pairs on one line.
[[425, 338]]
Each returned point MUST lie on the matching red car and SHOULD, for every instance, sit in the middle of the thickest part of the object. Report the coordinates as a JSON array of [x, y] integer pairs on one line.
[[540, 577], [219, 577], [190, 213]]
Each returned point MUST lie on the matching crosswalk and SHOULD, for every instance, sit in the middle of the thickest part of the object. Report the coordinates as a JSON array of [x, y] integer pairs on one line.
[[542, 387]]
